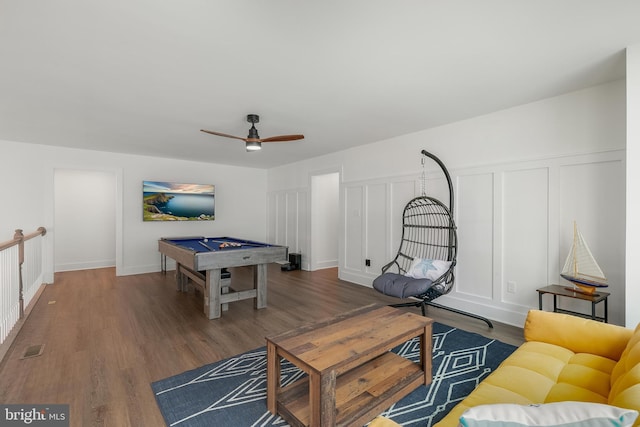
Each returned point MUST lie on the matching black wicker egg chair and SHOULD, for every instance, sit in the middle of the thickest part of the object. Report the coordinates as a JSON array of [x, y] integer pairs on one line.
[[429, 248]]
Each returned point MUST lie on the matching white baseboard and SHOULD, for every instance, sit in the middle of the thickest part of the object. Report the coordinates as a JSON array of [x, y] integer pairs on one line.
[[88, 265], [141, 269], [356, 277], [326, 264]]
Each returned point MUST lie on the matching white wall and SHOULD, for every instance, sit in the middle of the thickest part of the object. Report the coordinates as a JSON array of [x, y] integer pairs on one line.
[[28, 188], [521, 176], [633, 179], [84, 219]]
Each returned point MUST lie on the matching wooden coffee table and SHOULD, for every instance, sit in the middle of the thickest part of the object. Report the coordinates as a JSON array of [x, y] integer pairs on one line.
[[351, 374]]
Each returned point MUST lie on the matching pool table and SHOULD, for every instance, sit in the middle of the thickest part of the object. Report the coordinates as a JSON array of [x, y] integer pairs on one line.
[[202, 260]]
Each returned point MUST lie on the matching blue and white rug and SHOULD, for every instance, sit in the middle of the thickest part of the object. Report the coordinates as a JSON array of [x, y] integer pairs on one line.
[[232, 392]]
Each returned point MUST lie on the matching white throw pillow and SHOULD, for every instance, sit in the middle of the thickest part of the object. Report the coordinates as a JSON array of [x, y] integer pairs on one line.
[[565, 414], [423, 268]]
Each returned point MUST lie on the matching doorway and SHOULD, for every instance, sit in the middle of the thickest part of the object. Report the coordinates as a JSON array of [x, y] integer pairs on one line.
[[325, 205], [84, 219]]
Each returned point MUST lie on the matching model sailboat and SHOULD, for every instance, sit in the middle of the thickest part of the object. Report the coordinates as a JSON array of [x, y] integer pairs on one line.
[[581, 268]]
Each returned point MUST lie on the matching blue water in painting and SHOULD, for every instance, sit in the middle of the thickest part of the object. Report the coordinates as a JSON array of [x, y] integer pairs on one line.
[[188, 205]]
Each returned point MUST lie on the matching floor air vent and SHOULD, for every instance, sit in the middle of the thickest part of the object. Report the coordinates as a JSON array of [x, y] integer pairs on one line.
[[33, 351]]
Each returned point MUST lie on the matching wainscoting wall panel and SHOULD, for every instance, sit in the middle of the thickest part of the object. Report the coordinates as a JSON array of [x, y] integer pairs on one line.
[[525, 235], [272, 218], [376, 227], [280, 217], [292, 208], [514, 228], [593, 195], [354, 229], [474, 217], [303, 232]]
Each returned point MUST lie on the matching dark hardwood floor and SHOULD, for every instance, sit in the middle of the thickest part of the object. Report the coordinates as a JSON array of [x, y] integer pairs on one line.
[[106, 338]]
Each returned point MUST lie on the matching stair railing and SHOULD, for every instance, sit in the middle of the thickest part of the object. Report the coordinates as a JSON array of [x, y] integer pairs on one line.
[[21, 277]]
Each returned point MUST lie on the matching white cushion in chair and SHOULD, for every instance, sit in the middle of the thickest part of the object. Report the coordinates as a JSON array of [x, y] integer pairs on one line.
[[432, 269]]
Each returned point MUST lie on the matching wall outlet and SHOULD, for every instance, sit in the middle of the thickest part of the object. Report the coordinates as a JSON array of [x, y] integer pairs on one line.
[[367, 262], [511, 287]]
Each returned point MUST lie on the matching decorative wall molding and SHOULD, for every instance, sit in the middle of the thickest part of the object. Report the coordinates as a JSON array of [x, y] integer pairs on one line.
[[512, 226]]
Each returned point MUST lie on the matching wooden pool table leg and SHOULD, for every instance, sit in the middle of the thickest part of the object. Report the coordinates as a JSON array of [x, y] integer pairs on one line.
[[212, 306], [260, 285], [181, 279]]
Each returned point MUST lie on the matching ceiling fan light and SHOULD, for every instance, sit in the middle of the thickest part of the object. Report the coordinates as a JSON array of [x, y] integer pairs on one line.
[[253, 146]]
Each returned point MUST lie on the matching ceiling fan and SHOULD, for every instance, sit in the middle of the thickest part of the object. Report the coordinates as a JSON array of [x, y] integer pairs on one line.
[[253, 140]]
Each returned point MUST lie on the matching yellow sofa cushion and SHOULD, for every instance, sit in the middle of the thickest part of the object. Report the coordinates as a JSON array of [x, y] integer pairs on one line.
[[625, 378], [579, 380], [577, 334]]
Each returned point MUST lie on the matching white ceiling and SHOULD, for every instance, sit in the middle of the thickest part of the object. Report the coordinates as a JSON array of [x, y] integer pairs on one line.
[[144, 76]]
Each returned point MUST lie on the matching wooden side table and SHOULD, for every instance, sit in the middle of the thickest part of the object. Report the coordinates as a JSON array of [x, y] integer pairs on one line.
[[558, 290], [351, 374]]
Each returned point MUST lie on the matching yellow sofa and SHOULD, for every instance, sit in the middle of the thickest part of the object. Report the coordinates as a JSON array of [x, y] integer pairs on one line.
[[564, 358]]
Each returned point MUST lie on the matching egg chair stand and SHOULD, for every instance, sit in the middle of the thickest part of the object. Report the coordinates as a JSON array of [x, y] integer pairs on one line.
[[428, 235]]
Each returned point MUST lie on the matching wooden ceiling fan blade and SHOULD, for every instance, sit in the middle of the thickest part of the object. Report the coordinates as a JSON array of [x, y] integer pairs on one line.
[[282, 138], [223, 134]]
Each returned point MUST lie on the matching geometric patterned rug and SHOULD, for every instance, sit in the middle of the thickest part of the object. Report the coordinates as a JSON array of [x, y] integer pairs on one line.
[[232, 392]]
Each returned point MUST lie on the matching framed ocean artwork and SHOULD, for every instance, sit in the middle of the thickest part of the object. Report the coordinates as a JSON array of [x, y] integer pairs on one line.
[[173, 201]]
